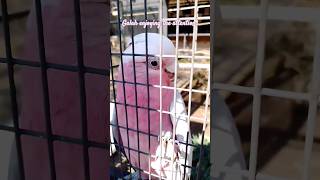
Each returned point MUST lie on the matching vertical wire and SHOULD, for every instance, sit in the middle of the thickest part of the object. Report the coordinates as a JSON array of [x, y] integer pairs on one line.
[[194, 41], [45, 88], [115, 102], [14, 104], [213, 10], [135, 88], [148, 90], [123, 84], [205, 120], [257, 90], [204, 124], [175, 86], [82, 88], [312, 111], [186, 157], [184, 41], [160, 83], [207, 102]]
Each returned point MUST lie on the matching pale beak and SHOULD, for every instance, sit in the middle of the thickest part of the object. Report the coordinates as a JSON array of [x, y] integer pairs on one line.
[[170, 75]]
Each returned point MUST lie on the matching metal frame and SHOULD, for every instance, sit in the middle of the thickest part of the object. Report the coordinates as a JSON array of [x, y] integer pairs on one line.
[[263, 14], [257, 90], [44, 66], [191, 66]]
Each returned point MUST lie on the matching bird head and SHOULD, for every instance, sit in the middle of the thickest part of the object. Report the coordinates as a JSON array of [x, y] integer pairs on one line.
[[150, 44]]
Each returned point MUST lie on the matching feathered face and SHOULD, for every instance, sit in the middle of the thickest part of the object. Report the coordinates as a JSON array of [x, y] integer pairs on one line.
[[151, 63]]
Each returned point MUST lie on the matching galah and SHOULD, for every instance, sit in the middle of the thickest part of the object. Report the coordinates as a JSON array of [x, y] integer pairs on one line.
[[132, 118]]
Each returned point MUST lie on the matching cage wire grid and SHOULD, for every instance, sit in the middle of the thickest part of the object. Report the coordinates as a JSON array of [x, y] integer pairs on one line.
[[80, 68], [257, 91], [263, 14], [175, 88], [190, 90]]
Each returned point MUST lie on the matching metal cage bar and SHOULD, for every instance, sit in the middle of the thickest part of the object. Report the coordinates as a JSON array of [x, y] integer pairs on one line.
[[264, 13], [14, 104], [123, 84], [44, 66], [160, 74], [213, 27], [148, 88], [135, 87], [45, 88], [313, 107], [175, 86], [56, 66], [148, 96], [82, 88], [257, 91], [42, 135], [115, 106]]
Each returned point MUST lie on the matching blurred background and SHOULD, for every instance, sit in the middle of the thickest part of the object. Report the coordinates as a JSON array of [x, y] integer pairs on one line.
[[289, 54], [18, 11], [290, 49]]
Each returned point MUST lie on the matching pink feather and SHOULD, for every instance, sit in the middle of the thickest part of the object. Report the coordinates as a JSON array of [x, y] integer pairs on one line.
[[154, 79]]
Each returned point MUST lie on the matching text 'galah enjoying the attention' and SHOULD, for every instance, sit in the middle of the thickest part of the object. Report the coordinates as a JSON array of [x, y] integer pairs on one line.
[[173, 147]]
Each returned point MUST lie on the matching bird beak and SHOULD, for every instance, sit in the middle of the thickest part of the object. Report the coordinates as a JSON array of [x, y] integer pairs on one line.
[[170, 75]]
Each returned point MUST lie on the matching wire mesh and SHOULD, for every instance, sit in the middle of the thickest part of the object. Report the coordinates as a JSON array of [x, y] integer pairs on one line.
[[44, 66], [262, 14], [192, 65], [257, 91]]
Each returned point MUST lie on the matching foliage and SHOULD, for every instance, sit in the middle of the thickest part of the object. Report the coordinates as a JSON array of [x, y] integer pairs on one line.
[[205, 160]]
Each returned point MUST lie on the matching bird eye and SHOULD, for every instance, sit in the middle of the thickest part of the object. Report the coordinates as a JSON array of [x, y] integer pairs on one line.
[[154, 63]]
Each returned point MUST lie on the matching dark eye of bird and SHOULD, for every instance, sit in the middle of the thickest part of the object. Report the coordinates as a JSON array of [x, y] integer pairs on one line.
[[154, 63]]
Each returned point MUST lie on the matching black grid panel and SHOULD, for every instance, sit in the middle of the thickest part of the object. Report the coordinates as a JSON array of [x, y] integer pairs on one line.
[[87, 77]]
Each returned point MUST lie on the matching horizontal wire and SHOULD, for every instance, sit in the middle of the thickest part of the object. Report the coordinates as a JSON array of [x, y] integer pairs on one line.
[[134, 130], [172, 19], [184, 66], [164, 55], [142, 152], [63, 67], [189, 7], [157, 110], [129, 148], [264, 91], [188, 18], [145, 133], [169, 10], [135, 150], [245, 173], [190, 34], [181, 89], [163, 87], [54, 137]]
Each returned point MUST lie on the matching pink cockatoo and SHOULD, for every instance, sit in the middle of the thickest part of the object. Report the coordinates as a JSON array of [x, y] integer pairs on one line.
[[129, 114]]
